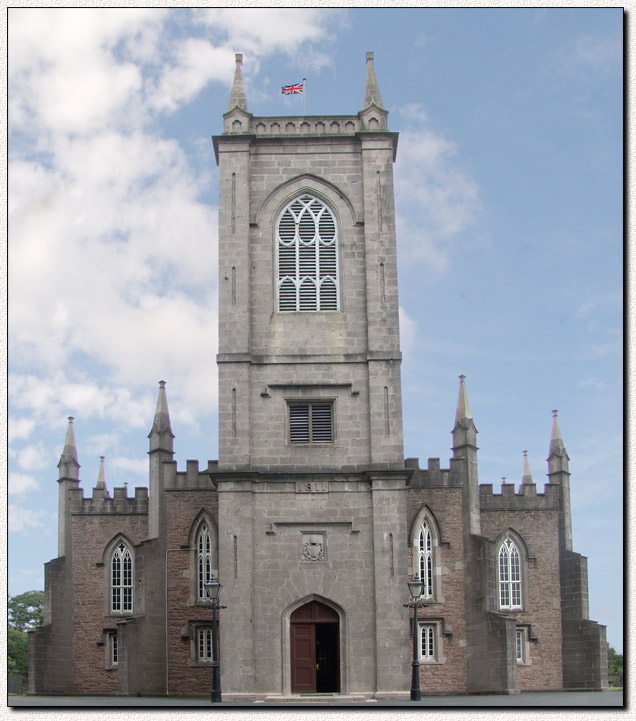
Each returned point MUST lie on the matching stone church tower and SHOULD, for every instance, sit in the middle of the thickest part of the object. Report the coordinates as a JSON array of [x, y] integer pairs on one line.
[[312, 519], [310, 413]]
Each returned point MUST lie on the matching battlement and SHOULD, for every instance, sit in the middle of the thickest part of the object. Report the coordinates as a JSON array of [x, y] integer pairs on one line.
[[527, 499], [100, 503], [191, 478], [433, 476], [305, 125]]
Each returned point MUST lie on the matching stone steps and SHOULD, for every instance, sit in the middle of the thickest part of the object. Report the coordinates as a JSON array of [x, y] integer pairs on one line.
[[317, 698]]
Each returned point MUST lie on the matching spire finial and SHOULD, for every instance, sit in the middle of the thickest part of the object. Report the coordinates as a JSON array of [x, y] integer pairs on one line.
[[101, 478], [556, 442], [527, 476], [69, 464], [161, 424], [463, 407], [69, 444], [371, 88], [238, 99], [162, 417]]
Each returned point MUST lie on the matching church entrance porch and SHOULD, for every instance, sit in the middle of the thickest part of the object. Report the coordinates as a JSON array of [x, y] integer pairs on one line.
[[315, 657]]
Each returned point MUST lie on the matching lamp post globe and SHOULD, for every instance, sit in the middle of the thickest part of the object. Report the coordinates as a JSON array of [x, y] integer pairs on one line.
[[415, 589]]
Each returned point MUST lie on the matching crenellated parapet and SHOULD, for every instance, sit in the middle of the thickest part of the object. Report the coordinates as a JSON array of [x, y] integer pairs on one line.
[[298, 125], [527, 499], [101, 504], [190, 479], [433, 476]]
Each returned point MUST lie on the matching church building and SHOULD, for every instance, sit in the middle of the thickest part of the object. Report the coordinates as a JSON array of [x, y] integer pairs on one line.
[[312, 520]]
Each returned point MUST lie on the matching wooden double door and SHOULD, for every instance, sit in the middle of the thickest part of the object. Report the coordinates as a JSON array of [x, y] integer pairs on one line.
[[315, 649]]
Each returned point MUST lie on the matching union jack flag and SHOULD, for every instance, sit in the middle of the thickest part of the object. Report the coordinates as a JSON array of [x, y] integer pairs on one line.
[[293, 89]]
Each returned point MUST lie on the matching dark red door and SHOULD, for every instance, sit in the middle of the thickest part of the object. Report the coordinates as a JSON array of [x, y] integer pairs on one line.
[[303, 657], [315, 658]]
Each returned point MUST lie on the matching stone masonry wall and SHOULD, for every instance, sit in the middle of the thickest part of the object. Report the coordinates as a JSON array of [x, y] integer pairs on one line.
[[184, 507], [446, 505], [343, 514], [584, 642], [542, 612], [263, 353], [91, 534], [51, 646]]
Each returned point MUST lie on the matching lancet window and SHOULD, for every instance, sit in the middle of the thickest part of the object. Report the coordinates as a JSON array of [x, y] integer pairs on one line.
[[121, 579], [425, 559], [509, 575], [203, 560]]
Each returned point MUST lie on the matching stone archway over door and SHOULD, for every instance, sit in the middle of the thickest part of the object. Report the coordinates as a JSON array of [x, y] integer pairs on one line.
[[315, 655]]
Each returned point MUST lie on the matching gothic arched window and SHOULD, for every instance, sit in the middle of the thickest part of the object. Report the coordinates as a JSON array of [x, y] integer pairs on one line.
[[426, 555], [509, 575], [203, 560], [424, 551], [307, 257], [121, 579]]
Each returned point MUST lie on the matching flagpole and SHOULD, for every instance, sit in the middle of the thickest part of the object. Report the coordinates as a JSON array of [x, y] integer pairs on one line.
[[304, 87]]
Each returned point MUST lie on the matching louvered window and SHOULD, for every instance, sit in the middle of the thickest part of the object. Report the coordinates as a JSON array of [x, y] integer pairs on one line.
[[310, 423], [307, 257]]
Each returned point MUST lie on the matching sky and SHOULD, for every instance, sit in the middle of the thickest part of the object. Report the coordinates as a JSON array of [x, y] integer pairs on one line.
[[508, 190]]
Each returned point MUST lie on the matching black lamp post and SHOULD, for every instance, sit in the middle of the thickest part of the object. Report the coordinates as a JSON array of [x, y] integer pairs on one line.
[[415, 589], [213, 589]]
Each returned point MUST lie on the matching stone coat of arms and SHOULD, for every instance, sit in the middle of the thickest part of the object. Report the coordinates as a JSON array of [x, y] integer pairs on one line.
[[313, 548]]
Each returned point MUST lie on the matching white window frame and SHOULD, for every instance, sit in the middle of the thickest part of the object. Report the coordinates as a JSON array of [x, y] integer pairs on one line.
[[203, 559], [305, 278], [111, 649], [430, 648], [521, 645], [121, 570], [425, 559], [509, 576], [314, 437], [427, 642], [426, 554], [201, 642]]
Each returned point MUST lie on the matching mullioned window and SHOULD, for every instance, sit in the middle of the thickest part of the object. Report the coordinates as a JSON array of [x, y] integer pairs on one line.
[[509, 576], [307, 257], [121, 579]]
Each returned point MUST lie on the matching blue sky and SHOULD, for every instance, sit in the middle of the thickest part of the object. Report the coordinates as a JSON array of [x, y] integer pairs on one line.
[[509, 211]]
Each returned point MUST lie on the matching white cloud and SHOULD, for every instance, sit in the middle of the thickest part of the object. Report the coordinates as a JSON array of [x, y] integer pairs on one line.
[[592, 383], [21, 519], [197, 63], [20, 483], [65, 75], [266, 30], [436, 199], [585, 310], [136, 466], [598, 53], [112, 249], [408, 332], [20, 428], [34, 458]]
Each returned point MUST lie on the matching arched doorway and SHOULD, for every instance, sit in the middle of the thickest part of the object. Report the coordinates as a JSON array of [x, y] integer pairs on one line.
[[315, 642]]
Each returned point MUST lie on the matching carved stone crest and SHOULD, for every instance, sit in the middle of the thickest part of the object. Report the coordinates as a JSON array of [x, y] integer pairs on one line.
[[313, 547]]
